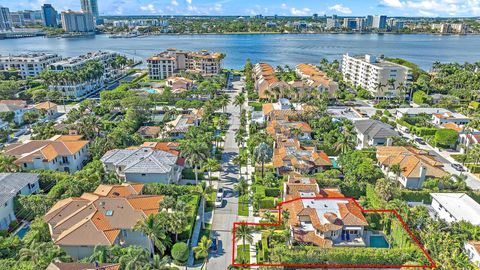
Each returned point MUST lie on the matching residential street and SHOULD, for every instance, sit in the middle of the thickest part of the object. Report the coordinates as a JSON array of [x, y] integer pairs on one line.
[[225, 216]]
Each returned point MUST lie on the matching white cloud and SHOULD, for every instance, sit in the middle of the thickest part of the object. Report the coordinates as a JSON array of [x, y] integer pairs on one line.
[[341, 9], [300, 12], [437, 7], [149, 7], [174, 3], [189, 2], [393, 3], [283, 6]]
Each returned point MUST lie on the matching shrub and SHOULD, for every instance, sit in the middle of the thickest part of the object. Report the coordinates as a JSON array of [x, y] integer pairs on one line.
[[446, 137], [180, 253], [421, 97], [272, 192], [267, 203]]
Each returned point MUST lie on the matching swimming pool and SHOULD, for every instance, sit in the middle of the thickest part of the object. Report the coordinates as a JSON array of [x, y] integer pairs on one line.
[[334, 163], [378, 241], [150, 90], [23, 231]]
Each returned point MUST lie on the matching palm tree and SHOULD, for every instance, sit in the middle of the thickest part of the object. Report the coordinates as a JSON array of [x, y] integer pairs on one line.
[[7, 164], [134, 258], [153, 228], [195, 153], [204, 190], [34, 252], [392, 82], [344, 144], [263, 153], [244, 233], [210, 165], [378, 87], [168, 203], [201, 250], [177, 222], [241, 187], [239, 100], [100, 254]]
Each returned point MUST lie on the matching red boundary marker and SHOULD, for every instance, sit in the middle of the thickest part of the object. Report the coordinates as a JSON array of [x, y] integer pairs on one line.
[[432, 266]]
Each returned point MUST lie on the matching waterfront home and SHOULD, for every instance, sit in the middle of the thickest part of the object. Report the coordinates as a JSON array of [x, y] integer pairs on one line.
[[374, 74], [83, 266], [29, 64], [472, 249], [60, 153], [456, 207], [415, 165], [105, 217], [317, 79], [79, 88], [266, 82], [289, 129], [326, 222], [149, 132], [12, 185], [373, 133], [16, 107], [172, 61], [289, 156], [144, 165]]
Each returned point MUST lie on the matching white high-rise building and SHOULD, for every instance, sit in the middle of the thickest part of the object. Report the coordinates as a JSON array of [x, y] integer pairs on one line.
[[77, 21], [5, 19], [375, 75], [90, 6], [379, 22], [28, 65]]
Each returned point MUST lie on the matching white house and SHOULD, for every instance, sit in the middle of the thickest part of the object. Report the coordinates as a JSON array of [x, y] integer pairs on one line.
[[455, 207], [144, 165], [67, 153], [450, 117], [401, 112], [373, 133], [105, 217], [17, 107], [472, 248], [11, 185]]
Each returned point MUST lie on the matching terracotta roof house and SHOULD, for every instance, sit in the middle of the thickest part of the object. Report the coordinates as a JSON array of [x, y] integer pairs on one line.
[[415, 165], [179, 84], [48, 107], [177, 128], [103, 218], [283, 109], [289, 129], [144, 165], [472, 249], [317, 79], [83, 266], [373, 133], [326, 222], [60, 153], [266, 80], [290, 156], [297, 185], [149, 132], [450, 117]]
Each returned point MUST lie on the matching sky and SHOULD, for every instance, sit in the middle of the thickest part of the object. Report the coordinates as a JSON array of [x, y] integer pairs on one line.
[[426, 8]]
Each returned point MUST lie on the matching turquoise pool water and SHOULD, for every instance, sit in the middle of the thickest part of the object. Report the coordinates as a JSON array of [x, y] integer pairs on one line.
[[378, 241], [150, 90], [334, 163], [23, 231]]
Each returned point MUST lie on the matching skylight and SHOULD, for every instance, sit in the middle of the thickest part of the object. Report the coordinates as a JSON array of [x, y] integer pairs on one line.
[[109, 213]]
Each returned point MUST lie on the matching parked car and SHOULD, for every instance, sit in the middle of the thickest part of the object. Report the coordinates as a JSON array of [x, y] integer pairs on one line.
[[458, 167], [420, 141], [220, 193], [219, 202]]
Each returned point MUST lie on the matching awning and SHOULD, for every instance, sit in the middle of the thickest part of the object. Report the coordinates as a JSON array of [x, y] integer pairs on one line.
[[353, 228]]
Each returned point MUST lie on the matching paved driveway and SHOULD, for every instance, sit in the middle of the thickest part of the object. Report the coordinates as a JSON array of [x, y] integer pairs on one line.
[[225, 216]]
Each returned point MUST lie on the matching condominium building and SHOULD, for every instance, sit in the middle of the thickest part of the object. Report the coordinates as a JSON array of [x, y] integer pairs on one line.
[[5, 19], [27, 18], [49, 15], [379, 22], [317, 79], [28, 65], [77, 89], [375, 75], [172, 61], [77, 21], [90, 6]]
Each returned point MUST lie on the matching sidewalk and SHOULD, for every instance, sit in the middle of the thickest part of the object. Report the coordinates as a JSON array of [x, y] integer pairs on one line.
[[196, 234]]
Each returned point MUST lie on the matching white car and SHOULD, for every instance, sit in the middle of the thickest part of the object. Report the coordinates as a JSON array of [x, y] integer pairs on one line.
[[218, 202], [220, 193]]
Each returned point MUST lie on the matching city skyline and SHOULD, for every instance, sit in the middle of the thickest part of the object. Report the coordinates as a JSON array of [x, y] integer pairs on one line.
[[423, 8]]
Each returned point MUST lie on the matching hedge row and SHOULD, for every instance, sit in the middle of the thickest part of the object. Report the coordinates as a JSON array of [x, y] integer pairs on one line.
[[267, 203], [419, 131], [272, 192]]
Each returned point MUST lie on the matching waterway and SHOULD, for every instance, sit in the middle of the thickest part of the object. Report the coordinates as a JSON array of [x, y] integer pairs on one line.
[[276, 49]]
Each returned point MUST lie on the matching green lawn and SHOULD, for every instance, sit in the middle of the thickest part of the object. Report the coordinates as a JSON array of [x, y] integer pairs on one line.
[[240, 254], [243, 206]]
